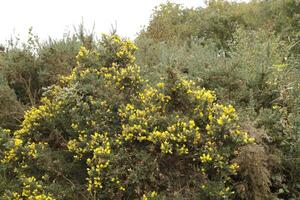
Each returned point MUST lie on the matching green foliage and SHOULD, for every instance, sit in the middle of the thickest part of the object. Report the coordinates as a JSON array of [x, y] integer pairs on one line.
[[19, 69], [11, 109], [220, 19], [56, 58], [170, 22]]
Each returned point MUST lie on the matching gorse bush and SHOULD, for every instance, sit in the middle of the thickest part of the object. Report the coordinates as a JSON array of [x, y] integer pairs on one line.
[[248, 54], [102, 133]]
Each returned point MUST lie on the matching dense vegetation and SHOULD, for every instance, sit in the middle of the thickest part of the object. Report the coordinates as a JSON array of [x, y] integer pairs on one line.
[[204, 105]]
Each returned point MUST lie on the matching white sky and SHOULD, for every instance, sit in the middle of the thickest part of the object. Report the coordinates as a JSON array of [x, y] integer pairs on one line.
[[55, 17]]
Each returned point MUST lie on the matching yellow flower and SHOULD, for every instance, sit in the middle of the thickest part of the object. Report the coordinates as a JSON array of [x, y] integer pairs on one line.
[[18, 142], [233, 167], [205, 158], [220, 121], [166, 147], [153, 194], [122, 188], [160, 85], [192, 123]]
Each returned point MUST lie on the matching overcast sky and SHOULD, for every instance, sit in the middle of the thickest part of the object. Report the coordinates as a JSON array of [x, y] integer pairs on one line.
[[55, 17]]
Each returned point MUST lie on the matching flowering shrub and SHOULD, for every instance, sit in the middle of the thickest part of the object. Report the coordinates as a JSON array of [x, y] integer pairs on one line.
[[102, 133]]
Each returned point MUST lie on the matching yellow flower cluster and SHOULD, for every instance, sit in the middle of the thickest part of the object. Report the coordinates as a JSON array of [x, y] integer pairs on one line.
[[121, 73], [205, 158], [121, 78], [86, 57], [16, 149], [154, 103], [149, 196], [31, 190], [233, 167], [198, 137], [97, 144], [118, 183], [126, 49], [33, 116]]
